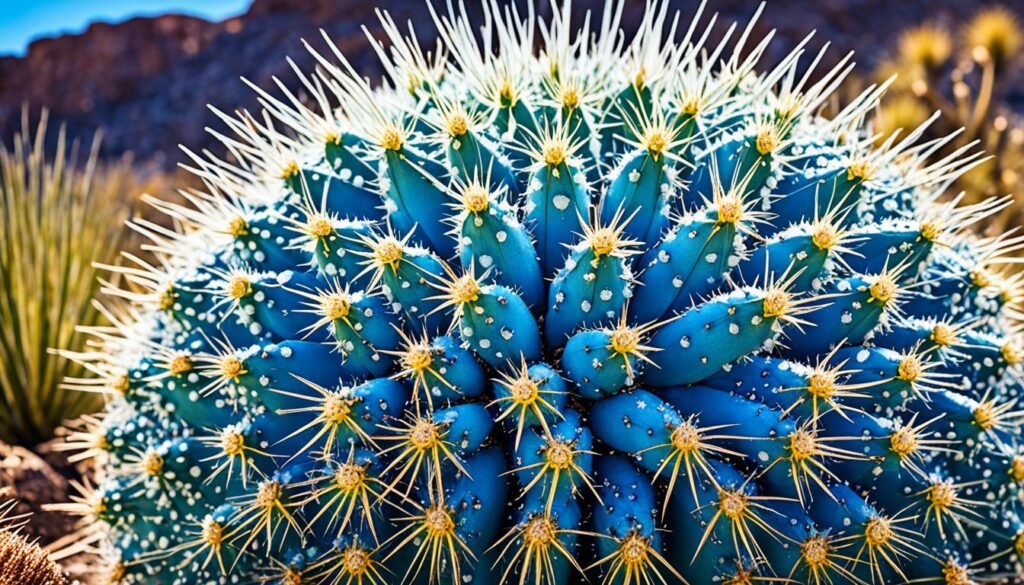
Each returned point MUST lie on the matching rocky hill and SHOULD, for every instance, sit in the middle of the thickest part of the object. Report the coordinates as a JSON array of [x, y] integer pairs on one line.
[[146, 81]]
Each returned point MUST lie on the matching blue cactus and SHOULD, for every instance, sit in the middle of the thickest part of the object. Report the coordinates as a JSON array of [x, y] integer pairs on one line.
[[622, 311]]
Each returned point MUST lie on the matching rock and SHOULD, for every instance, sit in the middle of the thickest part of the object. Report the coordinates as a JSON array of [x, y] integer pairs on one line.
[[34, 482]]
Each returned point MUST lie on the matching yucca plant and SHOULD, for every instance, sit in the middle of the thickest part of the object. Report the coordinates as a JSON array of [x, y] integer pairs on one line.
[[59, 213]]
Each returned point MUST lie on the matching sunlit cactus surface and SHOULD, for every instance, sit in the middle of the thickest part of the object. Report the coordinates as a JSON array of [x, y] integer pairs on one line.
[[552, 306]]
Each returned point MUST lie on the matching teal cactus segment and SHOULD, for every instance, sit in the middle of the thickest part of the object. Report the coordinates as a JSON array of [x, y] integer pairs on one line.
[[543, 543], [406, 276], [493, 242], [557, 203], [515, 118], [890, 246], [341, 191], [734, 325], [640, 191], [342, 155], [785, 385], [626, 309], [812, 194], [627, 523], [258, 240], [337, 246], [467, 426], [737, 166], [625, 113], [889, 379], [557, 465], [722, 535], [639, 423], [793, 250], [858, 304], [471, 156], [440, 369], [687, 263], [591, 289], [531, 396], [593, 364], [362, 327], [499, 327], [416, 197], [747, 435]]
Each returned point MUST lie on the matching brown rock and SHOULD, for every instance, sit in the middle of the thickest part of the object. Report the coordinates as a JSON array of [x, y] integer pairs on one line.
[[34, 482]]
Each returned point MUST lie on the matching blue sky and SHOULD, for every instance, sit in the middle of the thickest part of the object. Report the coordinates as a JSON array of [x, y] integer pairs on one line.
[[25, 20]]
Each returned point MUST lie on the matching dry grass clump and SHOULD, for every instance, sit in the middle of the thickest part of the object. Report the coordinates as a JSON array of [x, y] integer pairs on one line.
[[23, 562]]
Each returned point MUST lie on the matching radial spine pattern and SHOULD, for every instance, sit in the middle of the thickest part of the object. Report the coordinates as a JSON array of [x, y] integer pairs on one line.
[[625, 309]]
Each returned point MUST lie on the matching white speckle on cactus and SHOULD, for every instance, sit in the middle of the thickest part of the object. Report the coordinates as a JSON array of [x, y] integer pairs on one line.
[[561, 202]]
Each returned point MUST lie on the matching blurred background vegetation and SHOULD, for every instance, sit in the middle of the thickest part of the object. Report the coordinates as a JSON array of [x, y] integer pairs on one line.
[[60, 211], [967, 73]]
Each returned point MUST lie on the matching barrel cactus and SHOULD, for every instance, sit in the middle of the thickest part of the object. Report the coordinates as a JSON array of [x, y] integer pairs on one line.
[[558, 304]]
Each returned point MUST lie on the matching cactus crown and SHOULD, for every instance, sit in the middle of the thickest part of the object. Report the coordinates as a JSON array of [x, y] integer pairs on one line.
[[481, 324]]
